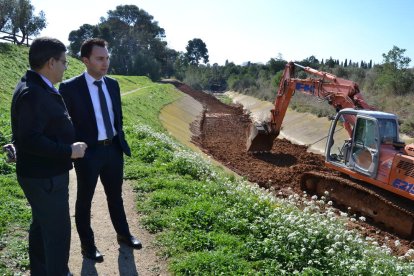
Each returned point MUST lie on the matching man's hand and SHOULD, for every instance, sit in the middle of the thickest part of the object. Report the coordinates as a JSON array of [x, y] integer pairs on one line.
[[78, 150], [11, 153]]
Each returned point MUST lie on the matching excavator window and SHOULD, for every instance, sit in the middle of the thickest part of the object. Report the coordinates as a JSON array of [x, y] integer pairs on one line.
[[388, 131], [339, 147], [365, 143]]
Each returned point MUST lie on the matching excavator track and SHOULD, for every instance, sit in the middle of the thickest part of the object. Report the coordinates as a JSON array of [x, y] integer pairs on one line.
[[380, 208]]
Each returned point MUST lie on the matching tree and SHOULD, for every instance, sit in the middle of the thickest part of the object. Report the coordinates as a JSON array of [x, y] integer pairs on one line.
[[135, 42], [395, 58], [196, 50], [394, 76], [311, 61], [16, 17], [276, 65], [6, 10], [77, 37], [330, 63]]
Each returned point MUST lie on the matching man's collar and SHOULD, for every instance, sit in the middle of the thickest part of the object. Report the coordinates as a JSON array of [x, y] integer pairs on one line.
[[90, 79], [47, 81]]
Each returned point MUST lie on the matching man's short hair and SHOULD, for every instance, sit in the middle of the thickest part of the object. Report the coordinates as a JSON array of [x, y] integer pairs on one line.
[[44, 48], [87, 46]]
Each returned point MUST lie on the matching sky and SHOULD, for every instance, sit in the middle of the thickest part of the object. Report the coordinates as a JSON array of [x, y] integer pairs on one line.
[[257, 30]]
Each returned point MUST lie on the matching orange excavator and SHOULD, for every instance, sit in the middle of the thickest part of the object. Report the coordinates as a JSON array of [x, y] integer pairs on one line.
[[373, 168]]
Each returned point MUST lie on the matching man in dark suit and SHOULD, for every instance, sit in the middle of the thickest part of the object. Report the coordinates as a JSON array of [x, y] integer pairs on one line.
[[94, 104], [44, 138]]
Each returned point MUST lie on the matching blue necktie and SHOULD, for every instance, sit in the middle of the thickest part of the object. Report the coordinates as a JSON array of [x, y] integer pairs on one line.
[[105, 112]]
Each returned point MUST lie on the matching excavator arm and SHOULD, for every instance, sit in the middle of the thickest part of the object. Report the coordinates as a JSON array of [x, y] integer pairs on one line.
[[338, 92]]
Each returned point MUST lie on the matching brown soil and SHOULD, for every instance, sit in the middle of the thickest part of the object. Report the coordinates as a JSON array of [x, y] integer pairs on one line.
[[223, 133]]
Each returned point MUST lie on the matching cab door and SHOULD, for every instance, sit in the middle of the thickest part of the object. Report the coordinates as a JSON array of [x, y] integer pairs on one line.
[[365, 146]]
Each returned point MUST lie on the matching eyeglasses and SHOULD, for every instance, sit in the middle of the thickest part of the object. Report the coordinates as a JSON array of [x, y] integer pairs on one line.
[[64, 62]]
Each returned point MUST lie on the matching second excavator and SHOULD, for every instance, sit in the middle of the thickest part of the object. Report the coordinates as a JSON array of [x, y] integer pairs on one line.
[[375, 169]]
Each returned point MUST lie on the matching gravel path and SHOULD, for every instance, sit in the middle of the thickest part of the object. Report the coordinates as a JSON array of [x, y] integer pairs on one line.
[[118, 259]]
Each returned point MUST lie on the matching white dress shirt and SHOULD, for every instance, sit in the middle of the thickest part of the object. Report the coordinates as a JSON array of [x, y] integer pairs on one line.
[[93, 91]]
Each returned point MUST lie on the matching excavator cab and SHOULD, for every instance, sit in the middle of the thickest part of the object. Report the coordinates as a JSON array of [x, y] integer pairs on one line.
[[358, 147]]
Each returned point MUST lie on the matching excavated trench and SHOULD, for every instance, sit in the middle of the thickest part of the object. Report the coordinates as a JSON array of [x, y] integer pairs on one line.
[[220, 131]]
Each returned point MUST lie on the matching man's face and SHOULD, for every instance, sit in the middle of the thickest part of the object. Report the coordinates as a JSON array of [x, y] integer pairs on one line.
[[98, 62], [59, 67]]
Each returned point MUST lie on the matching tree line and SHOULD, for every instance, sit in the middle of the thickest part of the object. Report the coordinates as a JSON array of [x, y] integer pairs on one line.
[[137, 44], [389, 86]]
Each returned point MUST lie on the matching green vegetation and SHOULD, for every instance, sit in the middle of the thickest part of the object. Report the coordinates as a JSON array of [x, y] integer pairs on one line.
[[225, 99], [14, 212]]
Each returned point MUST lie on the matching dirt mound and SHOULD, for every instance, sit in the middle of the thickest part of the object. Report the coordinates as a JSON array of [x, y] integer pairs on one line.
[[222, 134]]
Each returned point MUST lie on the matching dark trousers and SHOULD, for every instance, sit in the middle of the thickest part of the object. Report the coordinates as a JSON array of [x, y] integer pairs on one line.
[[49, 234], [107, 163]]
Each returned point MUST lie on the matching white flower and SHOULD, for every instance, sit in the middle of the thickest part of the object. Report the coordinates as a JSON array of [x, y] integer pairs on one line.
[[397, 243], [361, 218], [410, 252]]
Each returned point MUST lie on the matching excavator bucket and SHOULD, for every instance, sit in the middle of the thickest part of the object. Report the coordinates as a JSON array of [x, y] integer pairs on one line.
[[259, 138]]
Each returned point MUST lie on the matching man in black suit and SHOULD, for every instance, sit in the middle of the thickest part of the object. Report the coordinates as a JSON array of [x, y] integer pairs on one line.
[[94, 104], [44, 138]]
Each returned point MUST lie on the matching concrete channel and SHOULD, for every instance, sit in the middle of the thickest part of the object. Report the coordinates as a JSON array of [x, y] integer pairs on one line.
[[299, 128]]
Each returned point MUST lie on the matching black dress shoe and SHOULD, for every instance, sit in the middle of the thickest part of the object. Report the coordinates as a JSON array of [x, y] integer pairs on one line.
[[92, 253], [131, 241]]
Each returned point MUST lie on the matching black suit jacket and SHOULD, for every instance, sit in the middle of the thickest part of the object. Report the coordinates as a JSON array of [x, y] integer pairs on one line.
[[78, 101], [42, 129]]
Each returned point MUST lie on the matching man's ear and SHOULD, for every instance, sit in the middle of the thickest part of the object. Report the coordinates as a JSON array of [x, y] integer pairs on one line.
[[85, 60], [51, 63]]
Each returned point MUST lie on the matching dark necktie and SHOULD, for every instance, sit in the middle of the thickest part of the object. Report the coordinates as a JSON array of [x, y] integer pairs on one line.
[[105, 112]]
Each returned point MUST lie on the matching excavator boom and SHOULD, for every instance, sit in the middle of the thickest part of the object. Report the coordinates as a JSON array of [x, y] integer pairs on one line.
[[338, 92]]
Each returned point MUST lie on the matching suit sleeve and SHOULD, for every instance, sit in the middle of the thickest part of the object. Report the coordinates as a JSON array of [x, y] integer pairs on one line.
[[32, 121]]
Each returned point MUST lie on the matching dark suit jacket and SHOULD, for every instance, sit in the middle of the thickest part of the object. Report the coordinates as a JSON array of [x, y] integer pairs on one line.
[[75, 92], [42, 129]]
